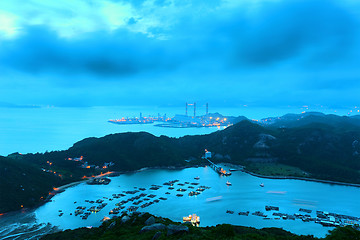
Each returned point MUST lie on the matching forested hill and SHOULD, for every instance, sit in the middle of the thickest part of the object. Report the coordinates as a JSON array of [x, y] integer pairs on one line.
[[22, 185], [297, 120], [323, 151], [317, 149]]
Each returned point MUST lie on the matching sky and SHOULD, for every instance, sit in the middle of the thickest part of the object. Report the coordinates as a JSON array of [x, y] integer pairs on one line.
[[263, 53]]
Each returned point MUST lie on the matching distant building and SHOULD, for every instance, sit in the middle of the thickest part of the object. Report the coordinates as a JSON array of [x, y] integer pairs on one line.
[[187, 119], [207, 154]]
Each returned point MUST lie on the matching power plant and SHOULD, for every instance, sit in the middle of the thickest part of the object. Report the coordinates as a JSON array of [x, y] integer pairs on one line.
[[181, 121]]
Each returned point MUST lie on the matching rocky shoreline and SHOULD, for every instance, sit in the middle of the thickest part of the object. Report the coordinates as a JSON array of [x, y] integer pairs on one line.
[[242, 168], [302, 178]]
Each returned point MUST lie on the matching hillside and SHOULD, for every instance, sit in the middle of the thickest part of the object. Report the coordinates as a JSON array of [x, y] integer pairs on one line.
[[322, 150], [298, 120], [22, 185]]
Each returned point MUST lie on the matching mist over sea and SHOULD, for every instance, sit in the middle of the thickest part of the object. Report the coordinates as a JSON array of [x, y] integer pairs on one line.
[[31, 130]]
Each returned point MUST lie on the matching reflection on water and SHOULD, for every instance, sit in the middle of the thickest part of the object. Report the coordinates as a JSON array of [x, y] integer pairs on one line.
[[244, 195]]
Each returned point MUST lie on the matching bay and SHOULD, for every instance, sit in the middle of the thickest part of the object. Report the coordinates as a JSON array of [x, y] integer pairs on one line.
[[245, 194]]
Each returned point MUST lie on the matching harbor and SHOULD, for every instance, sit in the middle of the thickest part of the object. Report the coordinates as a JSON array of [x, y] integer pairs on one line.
[[137, 200], [176, 194]]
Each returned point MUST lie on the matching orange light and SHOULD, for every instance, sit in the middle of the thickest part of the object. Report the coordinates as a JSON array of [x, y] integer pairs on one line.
[[22, 206]]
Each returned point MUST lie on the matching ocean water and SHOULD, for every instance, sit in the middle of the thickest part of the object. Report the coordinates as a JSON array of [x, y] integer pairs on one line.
[[30, 130]]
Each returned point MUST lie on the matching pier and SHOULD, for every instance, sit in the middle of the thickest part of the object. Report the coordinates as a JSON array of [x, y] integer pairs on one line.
[[217, 168]]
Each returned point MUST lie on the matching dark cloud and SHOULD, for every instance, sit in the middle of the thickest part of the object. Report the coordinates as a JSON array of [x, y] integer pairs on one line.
[[132, 21], [319, 30], [100, 53]]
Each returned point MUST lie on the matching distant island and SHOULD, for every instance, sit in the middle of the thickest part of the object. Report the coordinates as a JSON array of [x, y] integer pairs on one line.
[[183, 121]]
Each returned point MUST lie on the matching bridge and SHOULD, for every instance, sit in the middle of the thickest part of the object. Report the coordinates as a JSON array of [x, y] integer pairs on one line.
[[217, 168]]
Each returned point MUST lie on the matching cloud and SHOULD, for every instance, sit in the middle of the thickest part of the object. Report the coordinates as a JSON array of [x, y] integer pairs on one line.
[[316, 32], [100, 53], [230, 51], [321, 31]]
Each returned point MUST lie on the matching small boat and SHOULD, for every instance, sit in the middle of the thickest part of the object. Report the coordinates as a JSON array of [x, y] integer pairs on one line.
[[228, 183], [262, 185], [214, 199], [105, 219], [197, 178]]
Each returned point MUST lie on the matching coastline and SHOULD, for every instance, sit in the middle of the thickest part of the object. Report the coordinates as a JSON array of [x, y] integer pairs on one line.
[[62, 188], [242, 169], [302, 178]]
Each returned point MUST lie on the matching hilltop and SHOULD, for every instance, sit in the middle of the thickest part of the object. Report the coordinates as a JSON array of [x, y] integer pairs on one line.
[[145, 226]]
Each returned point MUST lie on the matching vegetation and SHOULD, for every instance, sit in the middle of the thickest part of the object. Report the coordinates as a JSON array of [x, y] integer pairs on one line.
[[116, 229], [275, 169], [22, 185]]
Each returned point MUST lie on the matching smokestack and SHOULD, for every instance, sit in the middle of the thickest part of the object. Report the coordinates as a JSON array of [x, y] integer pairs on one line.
[[194, 109]]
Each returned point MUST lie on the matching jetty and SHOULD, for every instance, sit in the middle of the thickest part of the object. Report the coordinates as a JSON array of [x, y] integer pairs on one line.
[[217, 168]]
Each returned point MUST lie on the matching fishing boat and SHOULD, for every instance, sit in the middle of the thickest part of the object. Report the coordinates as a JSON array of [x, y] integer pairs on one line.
[[228, 183]]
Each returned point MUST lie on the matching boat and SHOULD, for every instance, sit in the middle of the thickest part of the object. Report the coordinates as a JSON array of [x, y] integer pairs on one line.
[[214, 199], [105, 219], [262, 185], [197, 178], [228, 183]]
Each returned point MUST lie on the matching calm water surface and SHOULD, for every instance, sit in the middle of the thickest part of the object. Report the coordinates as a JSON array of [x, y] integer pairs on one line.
[[245, 194], [30, 130]]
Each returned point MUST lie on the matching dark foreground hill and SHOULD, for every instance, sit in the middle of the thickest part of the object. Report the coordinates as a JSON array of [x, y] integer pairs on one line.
[[135, 227], [316, 150], [22, 185]]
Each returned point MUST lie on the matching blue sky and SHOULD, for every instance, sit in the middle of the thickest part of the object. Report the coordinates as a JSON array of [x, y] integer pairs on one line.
[[265, 53]]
